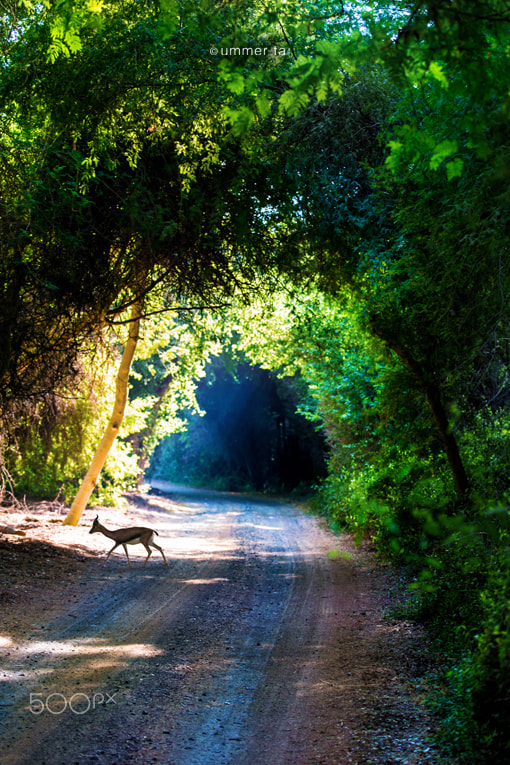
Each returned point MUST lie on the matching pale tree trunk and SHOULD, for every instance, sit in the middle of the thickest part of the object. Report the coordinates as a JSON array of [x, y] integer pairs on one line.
[[113, 427]]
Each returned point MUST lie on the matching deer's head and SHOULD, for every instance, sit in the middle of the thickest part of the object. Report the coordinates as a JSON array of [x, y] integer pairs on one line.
[[95, 525]]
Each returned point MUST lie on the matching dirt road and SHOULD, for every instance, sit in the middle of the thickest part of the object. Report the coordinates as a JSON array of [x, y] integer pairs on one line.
[[265, 642]]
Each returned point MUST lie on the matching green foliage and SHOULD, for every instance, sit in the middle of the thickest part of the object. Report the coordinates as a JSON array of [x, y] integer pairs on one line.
[[491, 670], [55, 442], [171, 360], [122, 181], [471, 694]]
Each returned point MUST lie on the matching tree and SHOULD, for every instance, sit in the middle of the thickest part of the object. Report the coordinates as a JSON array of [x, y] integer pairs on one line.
[[408, 245], [134, 185], [113, 427]]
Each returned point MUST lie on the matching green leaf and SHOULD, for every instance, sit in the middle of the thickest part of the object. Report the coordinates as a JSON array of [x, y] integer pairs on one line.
[[436, 70], [441, 152], [235, 83], [240, 119], [95, 6], [292, 103], [454, 168], [263, 104], [393, 159], [72, 41]]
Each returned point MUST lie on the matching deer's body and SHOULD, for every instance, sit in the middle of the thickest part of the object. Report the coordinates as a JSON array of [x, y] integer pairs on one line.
[[131, 536]]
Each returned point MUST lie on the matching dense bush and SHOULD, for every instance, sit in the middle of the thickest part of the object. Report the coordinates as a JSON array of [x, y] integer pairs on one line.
[[53, 442]]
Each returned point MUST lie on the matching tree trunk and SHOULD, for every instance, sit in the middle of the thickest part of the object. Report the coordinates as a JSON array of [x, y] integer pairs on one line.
[[113, 427], [450, 443], [433, 396]]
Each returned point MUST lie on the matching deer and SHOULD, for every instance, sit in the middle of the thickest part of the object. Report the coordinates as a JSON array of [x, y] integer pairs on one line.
[[130, 536]]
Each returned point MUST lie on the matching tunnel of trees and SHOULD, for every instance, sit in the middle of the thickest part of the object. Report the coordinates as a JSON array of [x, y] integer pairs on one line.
[[264, 245], [250, 436]]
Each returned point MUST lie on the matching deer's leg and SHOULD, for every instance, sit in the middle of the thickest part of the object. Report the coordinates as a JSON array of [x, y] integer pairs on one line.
[[113, 548], [153, 544], [127, 554], [149, 553]]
